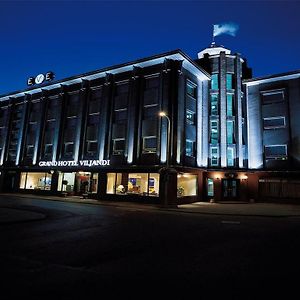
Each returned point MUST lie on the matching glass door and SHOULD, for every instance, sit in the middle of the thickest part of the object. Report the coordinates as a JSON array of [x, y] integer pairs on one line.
[[230, 189]]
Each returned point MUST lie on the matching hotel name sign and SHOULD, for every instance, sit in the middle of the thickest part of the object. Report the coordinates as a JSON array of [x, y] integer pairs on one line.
[[74, 163]]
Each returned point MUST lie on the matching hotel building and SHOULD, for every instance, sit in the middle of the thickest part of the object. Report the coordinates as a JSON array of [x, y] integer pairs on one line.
[[165, 129]]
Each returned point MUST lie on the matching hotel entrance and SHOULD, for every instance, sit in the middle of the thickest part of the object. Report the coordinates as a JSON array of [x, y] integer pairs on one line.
[[230, 189]]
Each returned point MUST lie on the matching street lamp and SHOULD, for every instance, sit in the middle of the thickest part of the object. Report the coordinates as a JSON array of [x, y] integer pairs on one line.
[[163, 114]]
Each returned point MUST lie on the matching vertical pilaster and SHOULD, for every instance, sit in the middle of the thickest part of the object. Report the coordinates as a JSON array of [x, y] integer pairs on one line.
[[40, 128], [223, 113], [105, 124], [23, 130], [134, 104], [84, 100], [239, 115]]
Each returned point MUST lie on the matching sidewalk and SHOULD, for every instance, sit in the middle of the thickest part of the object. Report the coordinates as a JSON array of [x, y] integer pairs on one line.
[[233, 209]]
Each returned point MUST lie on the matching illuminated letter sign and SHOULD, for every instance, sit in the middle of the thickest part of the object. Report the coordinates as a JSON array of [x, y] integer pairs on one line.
[[74, 163], [39, 79]]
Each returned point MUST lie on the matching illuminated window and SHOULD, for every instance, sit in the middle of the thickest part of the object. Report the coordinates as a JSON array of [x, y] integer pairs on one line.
[[230, 156], [66, 182], [214, 132], [118, 146], [276, 151], [214, 156], [145, 184], [274, 122], [138, 183], [149, 144], [229, 105], [214, 81], [190, 117], [229, 85], [94, 183], [111, 179], [210, 187], [187, 185], [230, 131], [35, 181], [189, 148], [153, 184], [214, 105]]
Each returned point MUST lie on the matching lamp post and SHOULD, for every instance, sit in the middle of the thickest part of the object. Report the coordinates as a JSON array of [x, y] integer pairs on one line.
[[163, 114]]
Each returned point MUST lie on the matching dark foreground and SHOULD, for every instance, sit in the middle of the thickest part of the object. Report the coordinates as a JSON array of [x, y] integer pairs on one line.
[[83, 251]]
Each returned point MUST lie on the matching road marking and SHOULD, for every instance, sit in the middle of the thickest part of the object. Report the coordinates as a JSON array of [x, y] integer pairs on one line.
[[230, 222]]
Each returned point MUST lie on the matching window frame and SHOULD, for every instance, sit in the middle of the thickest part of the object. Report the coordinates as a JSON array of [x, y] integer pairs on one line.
[[276, 156], [149, 150], [274, 118]]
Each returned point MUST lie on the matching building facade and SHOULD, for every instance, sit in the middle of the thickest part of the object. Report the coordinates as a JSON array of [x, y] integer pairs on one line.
[[165, 129]]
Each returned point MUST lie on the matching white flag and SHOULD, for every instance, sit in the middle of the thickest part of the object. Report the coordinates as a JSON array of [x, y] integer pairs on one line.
[[225, 28]]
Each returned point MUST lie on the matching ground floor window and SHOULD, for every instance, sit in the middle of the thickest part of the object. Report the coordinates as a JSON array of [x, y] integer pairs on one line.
[[77, 182], [187, 185], [66, 182], [94, 183], [35, 181], [145, 184], [210, 187]]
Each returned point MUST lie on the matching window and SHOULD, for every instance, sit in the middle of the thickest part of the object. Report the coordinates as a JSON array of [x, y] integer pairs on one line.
[[214, 132], [270, 97], [66, 182], [214, 106], [230, 157], [229, 105], [69, 148], [145, 184], [91, 132], [118, 146], [189, 148], [29, 150], [35, 181], [187, 185], [210, 187], [151, 111], [153, 184], [214, 156], [229, 82], [214, 81], [92, 146], [48, 148], [190, 117], [94, 183], [191, 89], [73, 105], [276, 151], [230, 131], [120, 114], [111, 179], [274, 122], [149, 144], [138, 183]]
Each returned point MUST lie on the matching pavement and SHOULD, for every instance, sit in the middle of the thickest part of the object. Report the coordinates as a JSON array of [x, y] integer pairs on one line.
[[13, 215]]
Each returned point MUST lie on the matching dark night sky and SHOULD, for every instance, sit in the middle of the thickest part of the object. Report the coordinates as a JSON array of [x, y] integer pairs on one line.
[[73, 37]]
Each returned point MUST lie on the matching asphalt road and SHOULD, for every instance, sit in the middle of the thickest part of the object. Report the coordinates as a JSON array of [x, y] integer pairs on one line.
[[80, 251]]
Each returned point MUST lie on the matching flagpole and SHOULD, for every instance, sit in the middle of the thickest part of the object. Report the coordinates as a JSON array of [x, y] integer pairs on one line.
[[213, 35]]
